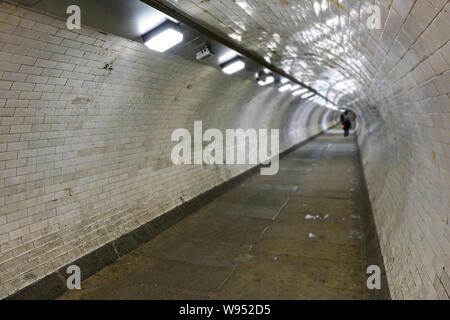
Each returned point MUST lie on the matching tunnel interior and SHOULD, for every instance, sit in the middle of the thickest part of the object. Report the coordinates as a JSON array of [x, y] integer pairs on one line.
[[87, 116]]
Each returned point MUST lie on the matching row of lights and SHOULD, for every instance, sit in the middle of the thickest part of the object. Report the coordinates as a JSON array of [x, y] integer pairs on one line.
[[265, 77], [167, 35]]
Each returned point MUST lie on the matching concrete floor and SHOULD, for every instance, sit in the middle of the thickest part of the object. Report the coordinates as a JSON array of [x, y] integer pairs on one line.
[[296, 235]]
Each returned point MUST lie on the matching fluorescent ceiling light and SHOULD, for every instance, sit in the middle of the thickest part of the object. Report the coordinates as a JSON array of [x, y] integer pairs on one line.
[[235, 36], [164, 40], [307, 95], [284, 80], [269, 80], [284, 88], [298, 92], [295, 87], [234, 67], [330, 106], [228, 56]]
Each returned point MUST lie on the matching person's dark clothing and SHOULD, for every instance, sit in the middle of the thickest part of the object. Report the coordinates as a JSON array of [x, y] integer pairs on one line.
[[347, 126]]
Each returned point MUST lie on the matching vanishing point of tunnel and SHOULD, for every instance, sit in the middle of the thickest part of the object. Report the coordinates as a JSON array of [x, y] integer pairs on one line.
[[225, 150]]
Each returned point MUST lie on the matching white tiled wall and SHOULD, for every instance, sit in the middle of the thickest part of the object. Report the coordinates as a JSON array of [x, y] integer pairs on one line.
[[406, 148], [85, 152], [398, 79]]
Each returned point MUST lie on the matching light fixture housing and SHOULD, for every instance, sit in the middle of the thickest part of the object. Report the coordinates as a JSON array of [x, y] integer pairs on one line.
[[163, 37], [203, 52], [267, 81], [264, 77], [233, 66]]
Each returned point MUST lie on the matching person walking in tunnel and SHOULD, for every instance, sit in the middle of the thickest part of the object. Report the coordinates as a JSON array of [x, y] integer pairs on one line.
[[346, 120]]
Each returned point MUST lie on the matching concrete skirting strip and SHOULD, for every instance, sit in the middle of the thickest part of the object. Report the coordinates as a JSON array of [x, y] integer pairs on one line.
[[371, 248], [54, 285]]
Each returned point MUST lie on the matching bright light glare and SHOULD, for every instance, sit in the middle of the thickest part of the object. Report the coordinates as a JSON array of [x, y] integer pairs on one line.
[[235, 36], [234, 67], [295, 87], [164, 40], [330, 106], [284, 80], [284, 88], [298, 92], [317, 7], [269, 80], [307, 95], [228, 56], [244, 5], [171, 19]]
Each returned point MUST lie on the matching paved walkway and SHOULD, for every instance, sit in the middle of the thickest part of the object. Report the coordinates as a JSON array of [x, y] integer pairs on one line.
[[296, 235]]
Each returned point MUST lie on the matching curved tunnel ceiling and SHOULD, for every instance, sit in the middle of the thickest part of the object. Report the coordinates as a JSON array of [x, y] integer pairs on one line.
[[327, 44], [396, 78]]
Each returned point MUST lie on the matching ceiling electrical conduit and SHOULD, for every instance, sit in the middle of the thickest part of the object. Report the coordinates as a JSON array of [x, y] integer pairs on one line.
[[216, 35]]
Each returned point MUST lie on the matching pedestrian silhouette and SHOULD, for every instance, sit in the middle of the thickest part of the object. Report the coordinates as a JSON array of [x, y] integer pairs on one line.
[[346, 121]]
